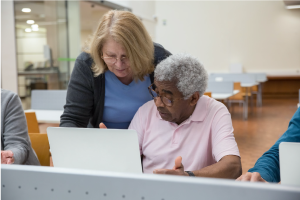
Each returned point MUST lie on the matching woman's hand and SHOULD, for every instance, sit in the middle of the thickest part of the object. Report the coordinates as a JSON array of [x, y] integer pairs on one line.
[[7, 157], [101, 125]]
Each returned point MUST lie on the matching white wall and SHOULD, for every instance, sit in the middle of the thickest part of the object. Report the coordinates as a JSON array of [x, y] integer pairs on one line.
[[29, 49], [74, 31], [263, 36], [84, 36], [145, 10], [8, 48]]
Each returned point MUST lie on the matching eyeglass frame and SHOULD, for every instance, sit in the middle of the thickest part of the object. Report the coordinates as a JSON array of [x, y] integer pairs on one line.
[[161, 97], [115, 59]]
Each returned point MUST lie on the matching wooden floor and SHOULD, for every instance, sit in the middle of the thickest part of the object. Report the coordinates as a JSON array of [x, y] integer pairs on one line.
[[262, 129]]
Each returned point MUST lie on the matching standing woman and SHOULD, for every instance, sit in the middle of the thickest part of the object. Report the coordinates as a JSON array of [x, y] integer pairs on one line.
[[110, 80]]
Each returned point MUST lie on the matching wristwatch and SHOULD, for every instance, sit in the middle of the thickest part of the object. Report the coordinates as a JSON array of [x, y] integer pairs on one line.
[[190, 173]]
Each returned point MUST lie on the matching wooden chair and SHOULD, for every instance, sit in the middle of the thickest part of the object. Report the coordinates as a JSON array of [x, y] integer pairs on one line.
[[254, 90], [40, 144], [250, 94], [32, 123], [237, 98], [207, 94]]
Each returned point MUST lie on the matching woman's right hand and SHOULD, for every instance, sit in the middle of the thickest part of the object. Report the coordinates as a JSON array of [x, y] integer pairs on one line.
[[101, 125]]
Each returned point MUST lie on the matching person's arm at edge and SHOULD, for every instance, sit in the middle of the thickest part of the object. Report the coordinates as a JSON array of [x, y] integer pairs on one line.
[[15, 132], [268, 164]]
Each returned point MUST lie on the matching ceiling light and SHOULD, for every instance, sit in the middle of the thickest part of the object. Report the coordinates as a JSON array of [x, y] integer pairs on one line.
[[34, 26], [26, 10], [30, 21], [28, 30], [293, 7]]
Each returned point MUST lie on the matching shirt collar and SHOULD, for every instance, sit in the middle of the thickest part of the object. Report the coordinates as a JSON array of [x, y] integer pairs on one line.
[[199, 112]]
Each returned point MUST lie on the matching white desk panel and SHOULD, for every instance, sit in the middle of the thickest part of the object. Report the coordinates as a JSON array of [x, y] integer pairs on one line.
[[48, 183]]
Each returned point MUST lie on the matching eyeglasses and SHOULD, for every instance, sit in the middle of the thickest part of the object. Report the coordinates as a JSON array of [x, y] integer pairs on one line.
[[154, 95], [113, 60], [164, 99]]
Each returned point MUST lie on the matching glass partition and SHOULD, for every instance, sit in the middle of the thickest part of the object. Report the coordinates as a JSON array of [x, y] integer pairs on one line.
[[42, 46]]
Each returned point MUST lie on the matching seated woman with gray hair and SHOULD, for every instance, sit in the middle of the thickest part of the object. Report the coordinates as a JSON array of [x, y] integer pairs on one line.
[[182, 125]]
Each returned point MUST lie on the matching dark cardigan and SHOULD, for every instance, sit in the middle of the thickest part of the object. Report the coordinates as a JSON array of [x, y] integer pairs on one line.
[[85, 95]]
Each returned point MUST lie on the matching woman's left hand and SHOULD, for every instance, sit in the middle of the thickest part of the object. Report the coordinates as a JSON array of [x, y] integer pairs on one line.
[[7, 157], [101, 125]]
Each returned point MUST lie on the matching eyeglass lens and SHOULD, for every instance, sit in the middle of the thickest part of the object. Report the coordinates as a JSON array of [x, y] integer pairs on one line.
[[164, 99], [112, 60]]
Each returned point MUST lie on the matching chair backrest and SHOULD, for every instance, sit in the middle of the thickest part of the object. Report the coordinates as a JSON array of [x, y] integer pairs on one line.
[[236, 68], [242, 78], [32, 123], [220, 87], [237, 86], [238, 96], [207, 94], [48, 99], [40, 144]]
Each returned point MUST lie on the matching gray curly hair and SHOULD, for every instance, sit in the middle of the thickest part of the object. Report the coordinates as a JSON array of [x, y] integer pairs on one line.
[[186, 70]]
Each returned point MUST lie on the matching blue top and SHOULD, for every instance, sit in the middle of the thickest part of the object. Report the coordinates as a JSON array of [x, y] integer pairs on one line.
[[268, 164], [122, 101]]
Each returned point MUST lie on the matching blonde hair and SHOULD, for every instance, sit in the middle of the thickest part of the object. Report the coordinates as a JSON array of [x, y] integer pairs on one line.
[[126, 29]]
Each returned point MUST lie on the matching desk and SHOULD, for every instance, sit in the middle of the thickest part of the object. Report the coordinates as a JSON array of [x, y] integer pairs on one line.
[[37, 72], [282, 86], [47, 116], [247, 86], [47, 183], [50, 76], [223, 96], [259, 92]]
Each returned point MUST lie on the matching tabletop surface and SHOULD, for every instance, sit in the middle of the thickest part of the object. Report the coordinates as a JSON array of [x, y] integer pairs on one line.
[[248, 84], [47, 116], [221, 96]]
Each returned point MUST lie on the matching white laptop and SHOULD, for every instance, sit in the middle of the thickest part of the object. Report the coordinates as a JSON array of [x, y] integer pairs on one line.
[[95, 149], [289, 157]]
